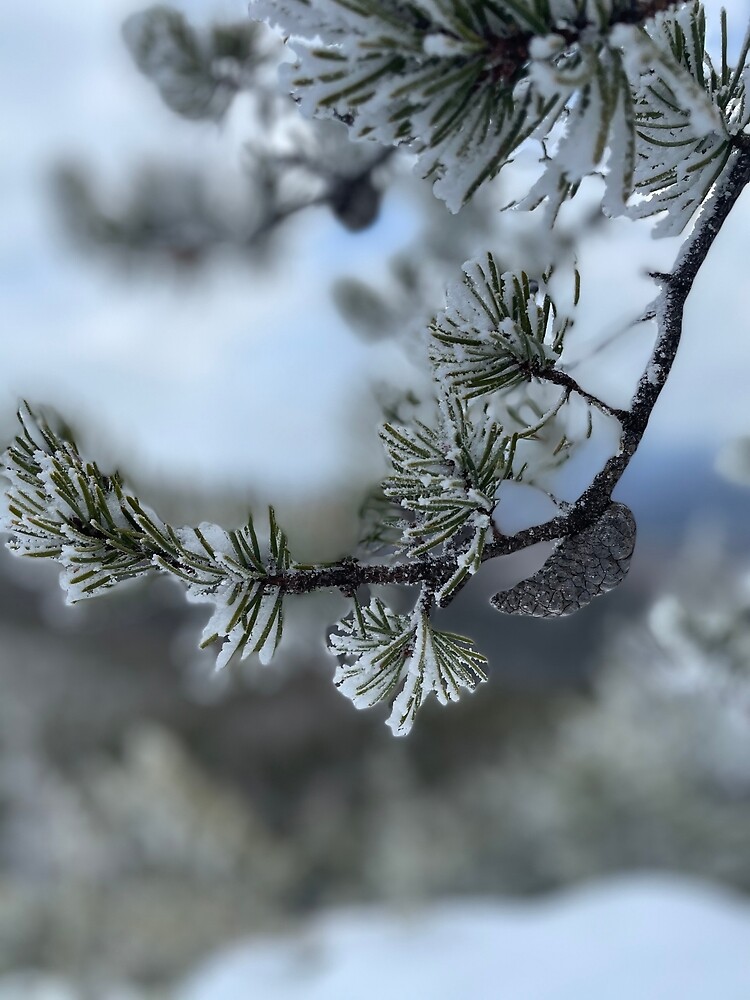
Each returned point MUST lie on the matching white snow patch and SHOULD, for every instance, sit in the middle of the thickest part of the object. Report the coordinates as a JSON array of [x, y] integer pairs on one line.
[[648, 937], [440, 44]]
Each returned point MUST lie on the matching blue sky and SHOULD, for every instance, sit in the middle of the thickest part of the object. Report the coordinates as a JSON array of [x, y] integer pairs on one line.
[[249, 374], [186, 378]]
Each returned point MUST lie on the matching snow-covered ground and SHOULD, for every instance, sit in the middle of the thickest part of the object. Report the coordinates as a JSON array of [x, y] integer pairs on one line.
[[640, 938], [643, 937]]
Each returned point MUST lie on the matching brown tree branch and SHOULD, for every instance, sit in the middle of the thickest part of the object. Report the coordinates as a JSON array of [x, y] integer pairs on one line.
[[556, 376]]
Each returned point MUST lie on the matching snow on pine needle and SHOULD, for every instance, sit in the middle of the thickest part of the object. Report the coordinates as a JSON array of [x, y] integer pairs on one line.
[[687, 113], [600, 87], [403, 657], [60, 506], [497, 330], [446, 477], [463, 85], [249, 614]]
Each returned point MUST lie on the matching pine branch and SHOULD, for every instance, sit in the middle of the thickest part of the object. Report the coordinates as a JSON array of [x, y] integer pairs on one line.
[[435, 570], [556, 376], [389, 655], [500, 335], [464, 85]]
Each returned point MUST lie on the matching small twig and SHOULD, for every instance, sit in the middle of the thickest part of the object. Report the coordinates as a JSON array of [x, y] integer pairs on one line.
[[558, 377]]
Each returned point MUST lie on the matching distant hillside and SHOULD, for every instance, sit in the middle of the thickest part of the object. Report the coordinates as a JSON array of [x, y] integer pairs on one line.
[[670, 490]]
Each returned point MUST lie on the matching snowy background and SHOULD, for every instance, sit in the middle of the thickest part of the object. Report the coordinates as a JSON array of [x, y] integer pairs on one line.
[[153, 818]]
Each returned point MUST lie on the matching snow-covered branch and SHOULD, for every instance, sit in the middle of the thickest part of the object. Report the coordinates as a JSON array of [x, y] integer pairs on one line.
[[616, 86]]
